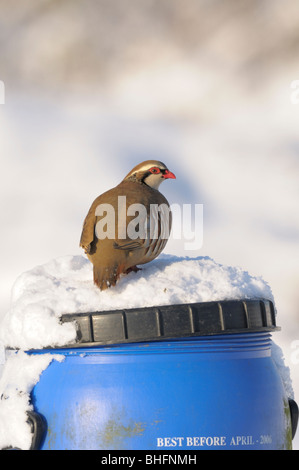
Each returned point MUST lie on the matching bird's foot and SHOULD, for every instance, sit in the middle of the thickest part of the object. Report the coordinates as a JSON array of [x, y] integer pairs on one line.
[[133, 269]]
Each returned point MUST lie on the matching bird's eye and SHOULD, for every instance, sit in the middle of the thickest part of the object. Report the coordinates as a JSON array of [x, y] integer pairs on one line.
[[155, 170]]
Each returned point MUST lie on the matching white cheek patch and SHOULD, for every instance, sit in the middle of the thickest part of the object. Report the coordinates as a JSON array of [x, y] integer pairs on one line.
[[153, 181]]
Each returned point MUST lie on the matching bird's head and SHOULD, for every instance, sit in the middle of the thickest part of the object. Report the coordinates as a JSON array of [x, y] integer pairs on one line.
[[151, 172]]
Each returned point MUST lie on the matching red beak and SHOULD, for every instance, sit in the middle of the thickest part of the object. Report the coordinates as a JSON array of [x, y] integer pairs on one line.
[[168, 174]]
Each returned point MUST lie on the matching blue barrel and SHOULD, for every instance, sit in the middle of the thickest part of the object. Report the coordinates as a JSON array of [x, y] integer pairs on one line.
[[204, 380]]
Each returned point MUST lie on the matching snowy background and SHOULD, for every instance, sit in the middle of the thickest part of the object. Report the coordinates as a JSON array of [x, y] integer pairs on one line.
[[94, 87]]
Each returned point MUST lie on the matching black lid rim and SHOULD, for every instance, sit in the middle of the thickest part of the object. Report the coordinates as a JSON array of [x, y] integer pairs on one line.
[[172, 322]]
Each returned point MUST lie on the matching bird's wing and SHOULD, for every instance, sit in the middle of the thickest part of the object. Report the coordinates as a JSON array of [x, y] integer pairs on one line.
[[88, 232], [154, 237], [128, 245], [131, 241]]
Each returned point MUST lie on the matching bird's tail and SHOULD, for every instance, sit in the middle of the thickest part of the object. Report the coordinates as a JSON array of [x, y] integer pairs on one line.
[[105, 276]]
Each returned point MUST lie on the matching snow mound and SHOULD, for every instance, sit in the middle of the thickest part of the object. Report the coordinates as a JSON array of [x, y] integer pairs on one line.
[[65, 285]]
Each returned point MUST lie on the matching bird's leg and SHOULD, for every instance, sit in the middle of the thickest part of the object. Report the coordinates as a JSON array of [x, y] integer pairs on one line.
[[133, 269]]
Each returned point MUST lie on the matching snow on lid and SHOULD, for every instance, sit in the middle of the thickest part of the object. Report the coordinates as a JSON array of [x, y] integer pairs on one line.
[[65, 285]]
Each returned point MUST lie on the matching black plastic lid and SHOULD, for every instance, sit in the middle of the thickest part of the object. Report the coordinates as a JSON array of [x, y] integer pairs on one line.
[[172, 321]]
